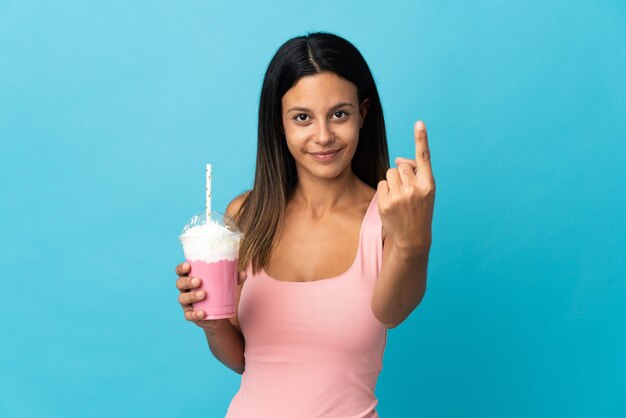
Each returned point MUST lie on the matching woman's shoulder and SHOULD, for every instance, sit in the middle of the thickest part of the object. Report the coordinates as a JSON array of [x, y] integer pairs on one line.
[[235, 205]]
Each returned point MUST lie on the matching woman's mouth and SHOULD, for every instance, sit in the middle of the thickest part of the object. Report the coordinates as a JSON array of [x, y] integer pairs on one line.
[[323, 156]]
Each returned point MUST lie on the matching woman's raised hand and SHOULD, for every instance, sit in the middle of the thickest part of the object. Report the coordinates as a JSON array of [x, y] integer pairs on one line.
[[189, 294], [406, 198]]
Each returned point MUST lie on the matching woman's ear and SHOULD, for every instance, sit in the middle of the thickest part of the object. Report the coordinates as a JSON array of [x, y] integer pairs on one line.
[[365, 104]]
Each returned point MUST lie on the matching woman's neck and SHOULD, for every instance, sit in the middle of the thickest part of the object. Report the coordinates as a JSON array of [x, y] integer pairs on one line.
[[319, 194]]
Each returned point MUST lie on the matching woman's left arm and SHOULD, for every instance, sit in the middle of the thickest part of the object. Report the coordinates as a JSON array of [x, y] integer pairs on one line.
[[405, 203]]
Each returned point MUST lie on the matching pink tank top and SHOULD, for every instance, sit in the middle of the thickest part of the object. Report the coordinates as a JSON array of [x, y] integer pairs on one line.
[[313, 349]]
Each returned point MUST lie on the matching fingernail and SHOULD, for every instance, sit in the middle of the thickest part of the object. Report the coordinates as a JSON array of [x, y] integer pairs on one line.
[[200, 294], [195, 282], [200, 314], [185, 265]]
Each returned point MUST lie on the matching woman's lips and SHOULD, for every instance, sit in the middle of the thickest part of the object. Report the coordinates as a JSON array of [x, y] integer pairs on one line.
[[323, 156]]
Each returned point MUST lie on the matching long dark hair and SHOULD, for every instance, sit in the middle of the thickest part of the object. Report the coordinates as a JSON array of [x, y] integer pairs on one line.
[[262, 212]]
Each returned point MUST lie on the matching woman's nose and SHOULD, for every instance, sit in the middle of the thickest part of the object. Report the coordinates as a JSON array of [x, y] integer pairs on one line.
[[325, 134]]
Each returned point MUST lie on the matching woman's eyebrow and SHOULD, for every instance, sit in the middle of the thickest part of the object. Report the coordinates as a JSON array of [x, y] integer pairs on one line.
[[299, 109], [342, 104], [304, 109]]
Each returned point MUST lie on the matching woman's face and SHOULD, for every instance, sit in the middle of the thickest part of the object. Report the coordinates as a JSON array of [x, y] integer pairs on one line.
[[321, 119]]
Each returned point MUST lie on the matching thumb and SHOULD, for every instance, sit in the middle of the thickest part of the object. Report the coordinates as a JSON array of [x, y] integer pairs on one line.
[[401, 160]]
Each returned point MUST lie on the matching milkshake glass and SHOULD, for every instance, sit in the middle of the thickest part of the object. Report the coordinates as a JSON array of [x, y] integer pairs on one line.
[[211, 249]]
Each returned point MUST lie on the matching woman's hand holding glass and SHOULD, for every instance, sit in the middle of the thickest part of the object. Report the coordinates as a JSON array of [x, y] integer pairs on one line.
[[189, 295]]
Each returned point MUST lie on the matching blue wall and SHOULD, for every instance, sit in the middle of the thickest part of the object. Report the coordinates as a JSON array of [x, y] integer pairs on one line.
[[109, 110]]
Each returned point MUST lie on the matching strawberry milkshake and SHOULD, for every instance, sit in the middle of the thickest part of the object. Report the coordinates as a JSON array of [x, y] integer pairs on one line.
[[211, 249]]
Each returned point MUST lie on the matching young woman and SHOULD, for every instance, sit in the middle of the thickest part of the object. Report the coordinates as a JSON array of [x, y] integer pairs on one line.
[[336, 244]]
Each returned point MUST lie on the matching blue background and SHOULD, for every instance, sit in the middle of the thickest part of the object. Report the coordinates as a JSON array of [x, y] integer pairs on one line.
[[109, 111]]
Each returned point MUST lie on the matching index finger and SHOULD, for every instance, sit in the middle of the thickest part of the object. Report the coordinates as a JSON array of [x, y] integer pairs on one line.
[[422, 152], [182, 269]]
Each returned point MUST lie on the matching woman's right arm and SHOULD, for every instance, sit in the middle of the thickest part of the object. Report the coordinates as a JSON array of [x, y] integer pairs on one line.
[[225, 339], [224, 336]]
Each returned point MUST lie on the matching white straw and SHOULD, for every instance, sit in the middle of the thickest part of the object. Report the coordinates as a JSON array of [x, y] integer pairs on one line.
[[208, 192]]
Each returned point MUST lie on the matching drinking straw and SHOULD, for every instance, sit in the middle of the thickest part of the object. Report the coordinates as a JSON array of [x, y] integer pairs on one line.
[[208, 192]]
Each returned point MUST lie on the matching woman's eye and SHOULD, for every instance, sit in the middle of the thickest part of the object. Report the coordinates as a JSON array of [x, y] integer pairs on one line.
[[340, 114], [301, 117]]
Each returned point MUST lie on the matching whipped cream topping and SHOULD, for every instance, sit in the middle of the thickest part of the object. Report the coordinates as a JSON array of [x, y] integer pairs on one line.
[[210, 242]]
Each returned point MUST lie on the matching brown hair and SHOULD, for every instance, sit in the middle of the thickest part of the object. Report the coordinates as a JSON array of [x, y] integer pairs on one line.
[[262, 212]]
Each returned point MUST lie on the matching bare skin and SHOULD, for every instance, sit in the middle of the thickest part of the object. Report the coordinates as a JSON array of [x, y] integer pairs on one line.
[[406, 204], [327, 238]]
